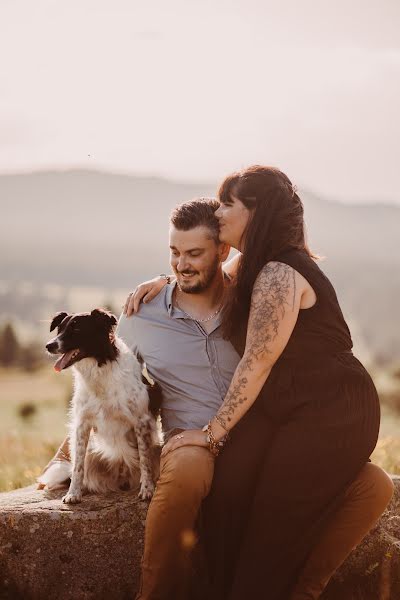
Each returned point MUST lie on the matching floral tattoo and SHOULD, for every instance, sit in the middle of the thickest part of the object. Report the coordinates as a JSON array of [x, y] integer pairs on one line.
[[273, 295]]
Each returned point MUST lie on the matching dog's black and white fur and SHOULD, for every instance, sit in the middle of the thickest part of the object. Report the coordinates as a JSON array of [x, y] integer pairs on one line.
[[111, 430]]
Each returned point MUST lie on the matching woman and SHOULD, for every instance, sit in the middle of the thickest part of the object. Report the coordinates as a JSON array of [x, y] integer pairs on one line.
[[302, 412]]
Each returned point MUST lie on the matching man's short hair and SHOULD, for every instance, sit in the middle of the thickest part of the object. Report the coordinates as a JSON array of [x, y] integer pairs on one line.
[[197, 212]]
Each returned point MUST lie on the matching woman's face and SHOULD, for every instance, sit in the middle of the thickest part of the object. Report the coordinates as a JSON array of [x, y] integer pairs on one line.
[[233, 219]]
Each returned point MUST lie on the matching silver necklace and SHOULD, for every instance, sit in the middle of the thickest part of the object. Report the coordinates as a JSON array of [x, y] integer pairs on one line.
[[195, 318]]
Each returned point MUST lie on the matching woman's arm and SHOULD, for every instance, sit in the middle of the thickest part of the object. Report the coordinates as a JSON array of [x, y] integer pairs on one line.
[[275, 305], [274, 309], [145, 292], [231, 267]]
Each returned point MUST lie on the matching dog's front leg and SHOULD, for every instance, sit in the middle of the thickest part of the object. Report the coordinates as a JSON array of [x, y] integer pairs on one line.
[[144, 431], [74, 494]]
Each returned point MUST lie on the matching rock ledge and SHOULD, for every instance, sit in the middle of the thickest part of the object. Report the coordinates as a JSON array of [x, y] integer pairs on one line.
[[51, 551]]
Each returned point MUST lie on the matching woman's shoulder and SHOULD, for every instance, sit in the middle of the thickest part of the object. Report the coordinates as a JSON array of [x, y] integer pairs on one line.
[[305, 264], [296, 258]]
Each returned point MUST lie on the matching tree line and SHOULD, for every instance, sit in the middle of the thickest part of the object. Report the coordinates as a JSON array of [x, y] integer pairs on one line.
[[13, 353]]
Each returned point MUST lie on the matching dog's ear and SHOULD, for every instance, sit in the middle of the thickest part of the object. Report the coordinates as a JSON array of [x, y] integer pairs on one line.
[[104, 316], [57, 319]]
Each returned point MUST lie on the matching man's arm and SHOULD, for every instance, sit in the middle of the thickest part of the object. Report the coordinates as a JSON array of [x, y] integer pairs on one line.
[[62, 455]]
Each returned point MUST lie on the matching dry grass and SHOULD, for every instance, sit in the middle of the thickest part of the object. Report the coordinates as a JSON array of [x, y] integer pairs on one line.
[[33, 410], [28, 442], [387, 454], [387, 451]]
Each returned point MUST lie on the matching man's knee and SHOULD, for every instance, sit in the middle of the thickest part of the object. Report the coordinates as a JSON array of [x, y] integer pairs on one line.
[[374, 486], [188, 469]]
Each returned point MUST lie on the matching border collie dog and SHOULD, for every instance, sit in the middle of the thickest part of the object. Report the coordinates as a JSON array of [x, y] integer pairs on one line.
[[111, 431]]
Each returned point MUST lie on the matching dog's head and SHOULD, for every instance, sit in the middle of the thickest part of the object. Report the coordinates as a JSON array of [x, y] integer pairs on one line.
[[83, 335]]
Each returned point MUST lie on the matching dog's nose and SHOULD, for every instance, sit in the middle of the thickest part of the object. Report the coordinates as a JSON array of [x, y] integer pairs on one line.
[[51, 346]]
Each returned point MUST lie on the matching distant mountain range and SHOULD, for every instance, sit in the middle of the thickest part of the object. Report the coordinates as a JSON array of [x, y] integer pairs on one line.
[[111, 230]]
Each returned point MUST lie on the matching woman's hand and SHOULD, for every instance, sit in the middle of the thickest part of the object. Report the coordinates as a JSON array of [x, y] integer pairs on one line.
[[144, 292], [191, 437]]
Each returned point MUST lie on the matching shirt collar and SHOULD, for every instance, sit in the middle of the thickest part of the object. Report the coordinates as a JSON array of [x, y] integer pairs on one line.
[[168, 297], [175, 313]]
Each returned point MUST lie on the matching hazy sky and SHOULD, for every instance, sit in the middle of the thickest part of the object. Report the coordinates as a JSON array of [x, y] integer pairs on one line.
[[194, 90]]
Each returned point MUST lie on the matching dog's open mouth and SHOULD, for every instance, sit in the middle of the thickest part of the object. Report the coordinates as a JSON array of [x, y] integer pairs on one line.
[[66, 360]]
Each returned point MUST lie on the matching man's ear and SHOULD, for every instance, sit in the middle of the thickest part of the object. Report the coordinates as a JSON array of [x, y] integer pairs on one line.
[[104, 316], [224, 251], [57, 319]]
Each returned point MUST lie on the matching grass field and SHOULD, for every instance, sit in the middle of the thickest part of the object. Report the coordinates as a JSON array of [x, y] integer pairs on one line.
[[33, 411]]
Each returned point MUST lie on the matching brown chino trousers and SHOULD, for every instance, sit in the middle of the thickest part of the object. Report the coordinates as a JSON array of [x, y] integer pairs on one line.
[[185, 480]]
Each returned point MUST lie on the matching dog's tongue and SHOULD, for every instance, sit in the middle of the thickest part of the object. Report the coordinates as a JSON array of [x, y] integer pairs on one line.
[[60, 364]]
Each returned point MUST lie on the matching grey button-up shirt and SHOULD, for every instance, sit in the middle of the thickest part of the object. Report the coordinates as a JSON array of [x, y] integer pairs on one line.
[[193, 368]]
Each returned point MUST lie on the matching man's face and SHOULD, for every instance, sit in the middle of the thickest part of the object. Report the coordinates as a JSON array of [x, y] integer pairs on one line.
[[195, 257]]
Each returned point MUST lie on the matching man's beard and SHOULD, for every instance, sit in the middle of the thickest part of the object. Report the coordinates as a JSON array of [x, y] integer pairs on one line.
[[203, 284]]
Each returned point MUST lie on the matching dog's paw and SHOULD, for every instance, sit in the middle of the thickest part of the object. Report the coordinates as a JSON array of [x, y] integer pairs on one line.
[[71, 498], [146, 490]]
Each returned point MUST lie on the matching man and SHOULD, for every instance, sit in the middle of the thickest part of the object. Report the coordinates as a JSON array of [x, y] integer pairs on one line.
[[178, 336]]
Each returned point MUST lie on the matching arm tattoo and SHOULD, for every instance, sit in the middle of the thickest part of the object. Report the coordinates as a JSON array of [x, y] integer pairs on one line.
[[294, 287], [273, 294]]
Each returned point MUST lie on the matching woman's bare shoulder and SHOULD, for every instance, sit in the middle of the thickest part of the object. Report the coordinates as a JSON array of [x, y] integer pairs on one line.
[[278, 280]]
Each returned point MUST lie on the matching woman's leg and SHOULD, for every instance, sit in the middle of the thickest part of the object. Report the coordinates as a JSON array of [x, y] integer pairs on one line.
[[301, 484], [226, 509], [364, 502]]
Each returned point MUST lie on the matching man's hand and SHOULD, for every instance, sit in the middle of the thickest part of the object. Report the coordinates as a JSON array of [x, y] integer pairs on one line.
[[62, 455], [191, 437], [143, 293]]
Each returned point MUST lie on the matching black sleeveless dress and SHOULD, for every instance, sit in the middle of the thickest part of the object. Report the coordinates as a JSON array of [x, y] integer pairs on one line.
[[292, 456]]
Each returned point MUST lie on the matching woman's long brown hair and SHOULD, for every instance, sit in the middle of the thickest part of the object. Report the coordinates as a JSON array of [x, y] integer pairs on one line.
[[276, 225]]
